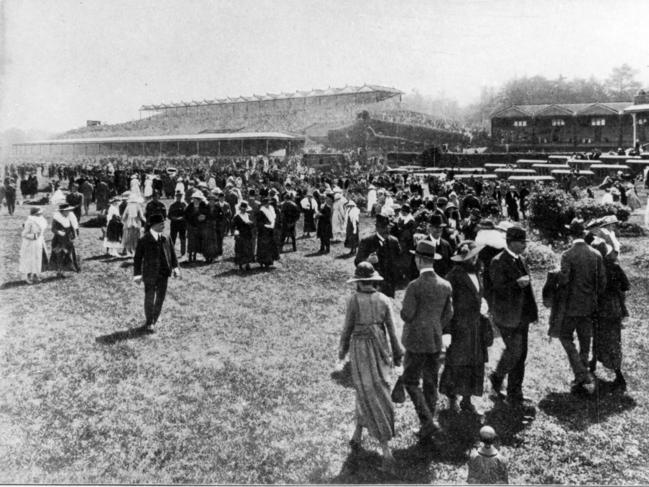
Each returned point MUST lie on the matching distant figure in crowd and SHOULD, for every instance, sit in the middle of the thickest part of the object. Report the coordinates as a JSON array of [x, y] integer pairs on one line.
[[193, 213], [309, 208], [243, 237], [155, 206], [435, 228], [325, 232], [381, 250], [10, 195], [611, 310], [486, 465], [178, 224], [266, 219], [470, 330], [290, 215], [75, 199], [583, 274], [352, 226], [514, 308], [338, 216], [209, 228], [86, 191], [154, 262], [33, 255], [132, 220], [114, 229], [371, 199], [370, 339], [65, 228], [102, 195], [427, 309]]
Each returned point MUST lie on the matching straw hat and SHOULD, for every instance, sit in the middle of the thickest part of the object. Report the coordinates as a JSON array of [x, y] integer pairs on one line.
[[466, 251], [426, 248], [365, 272]]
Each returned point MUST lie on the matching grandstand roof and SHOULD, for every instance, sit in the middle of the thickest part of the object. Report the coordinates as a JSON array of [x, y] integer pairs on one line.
[[170, 138], [346, 90], [562, 109]]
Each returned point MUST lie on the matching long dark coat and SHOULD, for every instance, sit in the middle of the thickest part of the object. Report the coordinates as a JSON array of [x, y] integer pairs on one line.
[[325, 230]]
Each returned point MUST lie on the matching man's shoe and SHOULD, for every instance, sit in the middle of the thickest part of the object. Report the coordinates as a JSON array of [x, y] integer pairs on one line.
[[427, 430], [496, 385]]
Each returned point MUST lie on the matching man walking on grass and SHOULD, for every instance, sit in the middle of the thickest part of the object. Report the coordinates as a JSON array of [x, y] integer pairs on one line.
[[583, 274], [427, 309], [513, 309], [154, 261]]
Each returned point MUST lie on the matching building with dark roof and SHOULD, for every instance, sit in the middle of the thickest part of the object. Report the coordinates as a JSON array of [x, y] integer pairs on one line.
[[571, 127]]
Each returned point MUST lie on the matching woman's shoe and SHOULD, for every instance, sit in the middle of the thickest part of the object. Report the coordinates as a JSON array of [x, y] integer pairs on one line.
[[355, 445]]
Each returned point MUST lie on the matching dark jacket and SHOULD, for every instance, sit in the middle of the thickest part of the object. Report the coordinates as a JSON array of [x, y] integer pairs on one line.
[[512, 305], [583, 273], [325, 230], [554, 297], [387, 253], [148, 261], [469, 341], [445, 250]]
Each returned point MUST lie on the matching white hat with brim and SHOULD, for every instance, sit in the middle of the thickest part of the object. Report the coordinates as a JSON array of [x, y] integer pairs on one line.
[[466, 250]]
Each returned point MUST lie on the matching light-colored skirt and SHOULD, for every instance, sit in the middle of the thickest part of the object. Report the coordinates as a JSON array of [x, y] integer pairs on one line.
[[130, 237]]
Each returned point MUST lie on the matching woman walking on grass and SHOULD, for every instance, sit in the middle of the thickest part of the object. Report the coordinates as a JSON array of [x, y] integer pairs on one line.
[[33, 256], [65, 229], [370, 339], [243, 242]]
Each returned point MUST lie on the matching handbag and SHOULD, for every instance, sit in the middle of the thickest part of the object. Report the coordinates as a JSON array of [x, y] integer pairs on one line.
[[399, 392]]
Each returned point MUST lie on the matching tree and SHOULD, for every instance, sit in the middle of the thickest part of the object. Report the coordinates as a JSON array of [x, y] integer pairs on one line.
[[622, 85]]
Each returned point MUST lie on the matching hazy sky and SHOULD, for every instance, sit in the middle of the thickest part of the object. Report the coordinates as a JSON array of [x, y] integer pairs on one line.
[[65, 61]]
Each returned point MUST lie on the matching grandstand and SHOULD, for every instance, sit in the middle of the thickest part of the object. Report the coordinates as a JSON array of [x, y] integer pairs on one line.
[[311, 114]]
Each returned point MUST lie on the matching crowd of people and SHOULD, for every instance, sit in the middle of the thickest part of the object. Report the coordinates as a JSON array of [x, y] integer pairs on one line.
[[455, 246]]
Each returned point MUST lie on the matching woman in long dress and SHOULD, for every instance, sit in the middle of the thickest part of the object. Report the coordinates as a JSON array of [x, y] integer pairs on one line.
[[132, 219], [352, 227], [193, 213], [65, 229], [370, 339], [611, 310], [338, 216], [211, 212], [243, 242], [309, 208], [33, 255], [470, 331], [114, 229], [266, 248]]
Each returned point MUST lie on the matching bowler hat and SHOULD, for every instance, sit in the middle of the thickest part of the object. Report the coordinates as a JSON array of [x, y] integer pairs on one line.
[[156, 218], [486, 224], [436, 220], [516, 234], [576, 227], [382, 220], [365, 272], [426, 248]]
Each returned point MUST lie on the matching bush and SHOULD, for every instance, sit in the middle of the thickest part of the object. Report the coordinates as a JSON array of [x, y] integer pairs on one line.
[[549, 212], [540, 257], [589, 210]]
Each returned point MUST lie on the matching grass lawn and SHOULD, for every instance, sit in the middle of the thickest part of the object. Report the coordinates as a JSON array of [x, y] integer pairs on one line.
[[236, 385]]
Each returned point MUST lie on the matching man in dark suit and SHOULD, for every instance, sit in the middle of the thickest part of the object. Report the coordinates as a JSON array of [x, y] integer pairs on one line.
[[513, 309], [435, 228], [583, 274], [427, 309], [382, 251], [154, 261]]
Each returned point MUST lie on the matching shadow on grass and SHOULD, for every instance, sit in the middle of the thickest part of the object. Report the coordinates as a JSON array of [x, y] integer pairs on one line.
[[21, 283], [509, 421], [190, 265], [99, 257], [122, 335], [346, 256], [343, 377], [364, 467], [315, 254], [578, 411], [253, 270]]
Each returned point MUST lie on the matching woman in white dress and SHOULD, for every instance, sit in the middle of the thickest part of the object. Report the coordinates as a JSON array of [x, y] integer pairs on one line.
[[33, 255], [132, 219], [148, 186], [135, 190], [338, 216]]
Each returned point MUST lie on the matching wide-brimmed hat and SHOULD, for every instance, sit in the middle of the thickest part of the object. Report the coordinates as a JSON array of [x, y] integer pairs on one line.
[[365, 272], [486, 224], [36, 211], [198, 195], [608, 220], [66, 207], [426, 248], [436, 220], [516, 234], [466, 250], [115, 199]]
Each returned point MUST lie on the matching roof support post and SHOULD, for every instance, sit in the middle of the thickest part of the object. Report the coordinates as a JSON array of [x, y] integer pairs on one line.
[[635, 129]]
